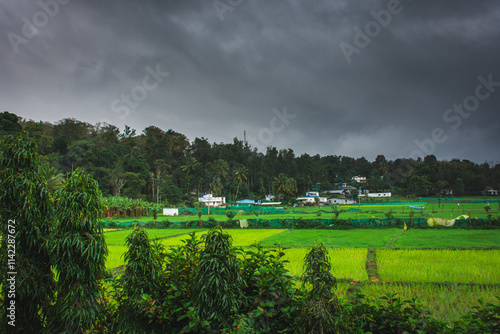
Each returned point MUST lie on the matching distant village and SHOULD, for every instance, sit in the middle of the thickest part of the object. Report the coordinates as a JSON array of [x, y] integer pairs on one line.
[[340, 196]]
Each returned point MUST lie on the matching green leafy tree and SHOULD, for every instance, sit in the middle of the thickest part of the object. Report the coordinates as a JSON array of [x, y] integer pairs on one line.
[[140, 281], [26, 213], [419, 185], [218, 284], [459, 187], [336, 211], [9, 124], [322, 311], [273, 302], [78, 251]]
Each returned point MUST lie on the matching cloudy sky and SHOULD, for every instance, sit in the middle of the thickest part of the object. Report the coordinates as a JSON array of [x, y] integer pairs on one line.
[[355, 78]]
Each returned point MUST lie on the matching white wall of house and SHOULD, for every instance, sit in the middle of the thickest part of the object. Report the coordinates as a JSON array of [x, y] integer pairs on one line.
[[309, 199], [387, 194], [170, 212], [210, 200], [341, 201]]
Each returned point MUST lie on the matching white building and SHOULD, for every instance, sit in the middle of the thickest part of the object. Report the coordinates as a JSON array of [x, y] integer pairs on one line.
[[209, 200], [341, 201], [360, 179], [491, 192], [170, 212], [387, 194], [311, 197], [270, 197]]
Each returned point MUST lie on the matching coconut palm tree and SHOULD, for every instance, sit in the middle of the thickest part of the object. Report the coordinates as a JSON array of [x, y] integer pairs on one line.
[[280, 184], [52, 180], [240, 175], [190, 166], [285, 185], [219, 168], [216, 186]]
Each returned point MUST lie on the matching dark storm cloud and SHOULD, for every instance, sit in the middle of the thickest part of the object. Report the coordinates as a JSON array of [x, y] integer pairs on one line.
[[231, 63]]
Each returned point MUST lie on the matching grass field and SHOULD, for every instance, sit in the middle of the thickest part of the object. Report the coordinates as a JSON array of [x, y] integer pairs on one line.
[[441, 238], [358, 238], [447, 303], [432, 275], [443, 265], [347, 263]]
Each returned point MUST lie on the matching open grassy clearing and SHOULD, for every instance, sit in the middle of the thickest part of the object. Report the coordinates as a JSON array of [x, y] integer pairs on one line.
[[462, 266], [441, 238], [356, 238], [446, 303]]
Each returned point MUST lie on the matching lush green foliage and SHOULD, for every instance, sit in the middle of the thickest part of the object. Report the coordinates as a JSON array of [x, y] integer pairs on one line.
[[25, 201], [218, 284], [322, 311], [78, 252], [142, 276], [161, 166]]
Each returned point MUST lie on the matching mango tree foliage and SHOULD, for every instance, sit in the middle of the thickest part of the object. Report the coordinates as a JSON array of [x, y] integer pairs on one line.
[[218, 283], [78, 251], [142, 277], [25, 200]]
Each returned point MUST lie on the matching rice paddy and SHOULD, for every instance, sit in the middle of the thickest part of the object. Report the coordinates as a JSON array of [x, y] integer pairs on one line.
[[448, 282], [442, 265]]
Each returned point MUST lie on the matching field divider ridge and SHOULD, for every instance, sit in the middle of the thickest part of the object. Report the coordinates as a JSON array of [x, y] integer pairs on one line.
[[393, 240], [272, 236], [371, 265], [173, 236]]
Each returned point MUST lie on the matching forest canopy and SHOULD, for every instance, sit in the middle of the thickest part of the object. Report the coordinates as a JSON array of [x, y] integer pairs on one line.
[[165, 166]]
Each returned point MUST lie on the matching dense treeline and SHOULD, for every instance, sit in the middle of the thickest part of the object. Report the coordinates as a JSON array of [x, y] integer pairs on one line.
[[159, 166]]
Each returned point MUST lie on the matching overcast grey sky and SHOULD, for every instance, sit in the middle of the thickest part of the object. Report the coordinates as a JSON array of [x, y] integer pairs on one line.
[[356, 78]]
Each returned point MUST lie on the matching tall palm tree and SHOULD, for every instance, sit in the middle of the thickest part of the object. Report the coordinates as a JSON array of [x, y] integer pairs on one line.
[[190, 166], [219, 168], [52, 180], [240, 175], [216, 186], [280, 184], [285, 185], [291, 186]]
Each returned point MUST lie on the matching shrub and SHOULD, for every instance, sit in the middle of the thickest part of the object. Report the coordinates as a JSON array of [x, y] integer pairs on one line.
[[321, 312], [140, 285], [387, 314], [78, 251], [217, 286], [272, 299], [482, 319], [26, 201]]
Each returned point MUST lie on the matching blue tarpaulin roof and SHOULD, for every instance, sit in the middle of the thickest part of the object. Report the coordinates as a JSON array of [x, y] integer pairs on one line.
[[246, 201]]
